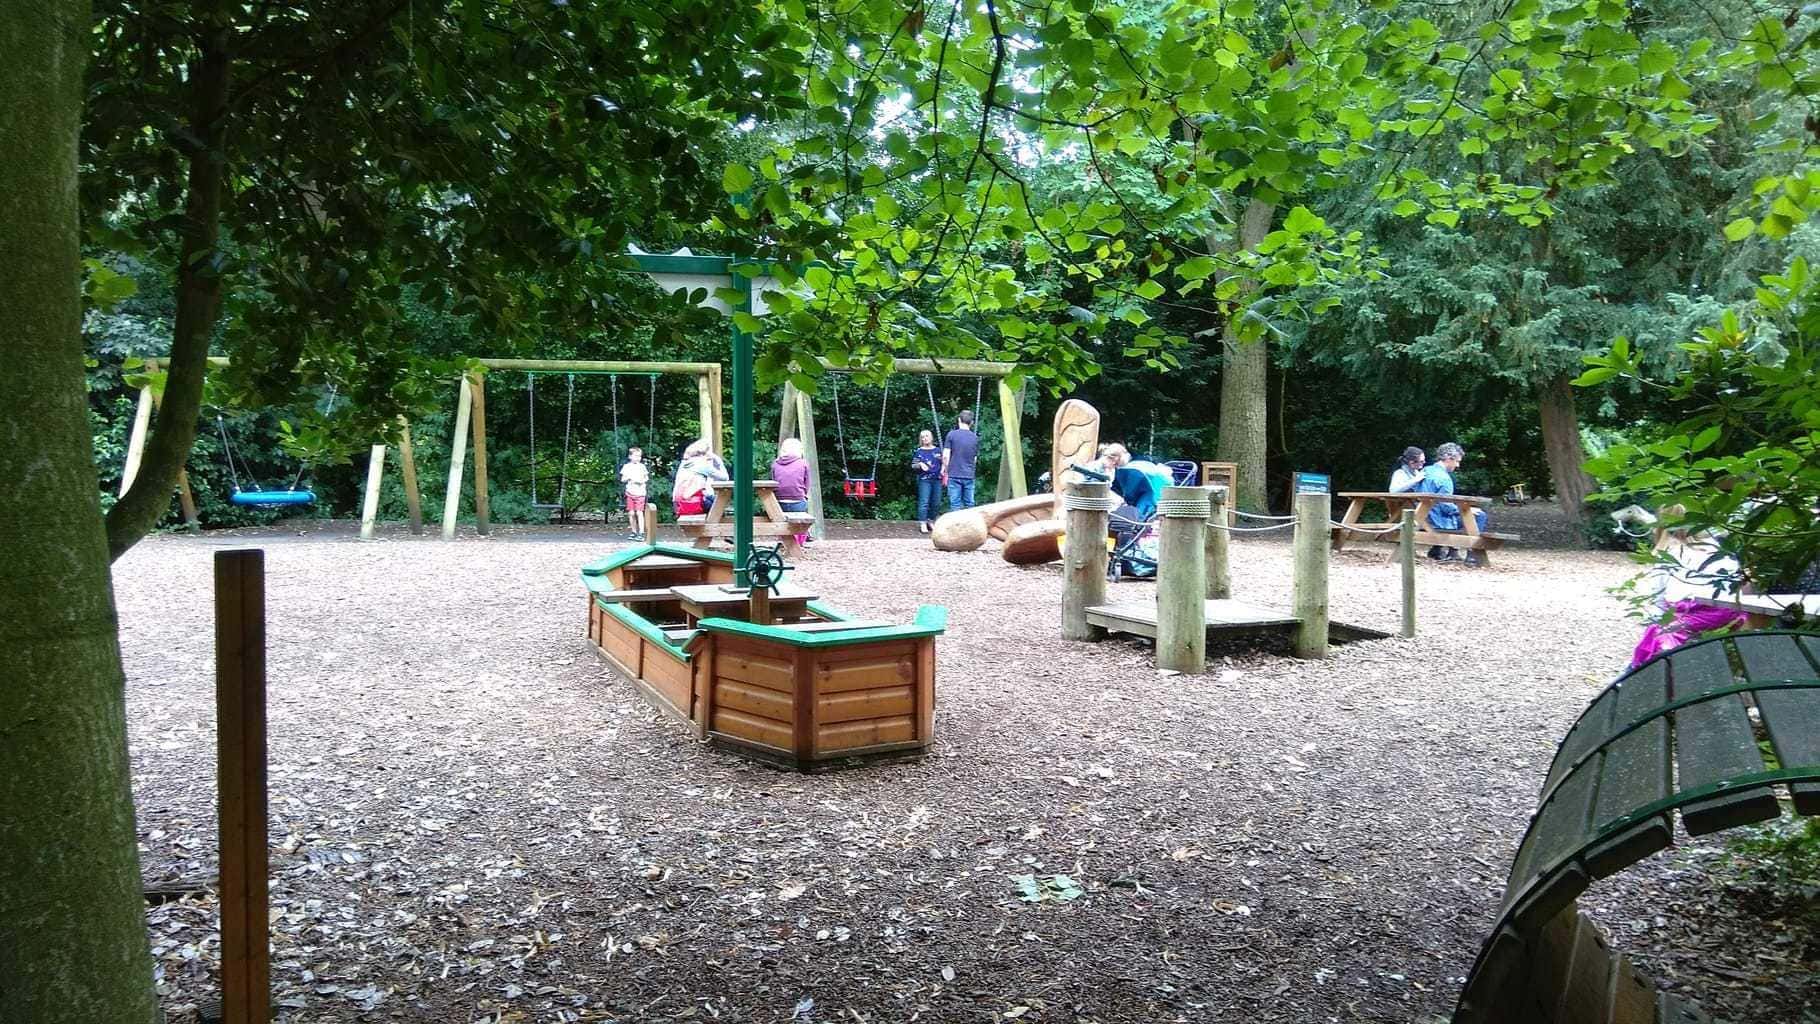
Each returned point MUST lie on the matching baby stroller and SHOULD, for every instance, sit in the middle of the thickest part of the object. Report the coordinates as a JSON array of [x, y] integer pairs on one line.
[[1132, 538], [1134, 546]]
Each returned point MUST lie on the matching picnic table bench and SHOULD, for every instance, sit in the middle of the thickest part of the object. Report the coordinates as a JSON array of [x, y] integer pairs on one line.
[[771, 520], [1468, 538], [1672, 735]]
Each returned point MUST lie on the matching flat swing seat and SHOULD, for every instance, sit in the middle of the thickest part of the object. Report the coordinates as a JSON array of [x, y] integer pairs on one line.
[[860, 487], [273, 497]]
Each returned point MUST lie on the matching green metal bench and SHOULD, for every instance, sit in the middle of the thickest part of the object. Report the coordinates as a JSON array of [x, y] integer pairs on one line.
[[1673, 735]]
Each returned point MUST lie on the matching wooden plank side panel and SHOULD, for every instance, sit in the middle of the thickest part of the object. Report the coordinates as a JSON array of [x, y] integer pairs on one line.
[[925, 689], [1550, 960], [747, 664], [1792, 717], [760, 701], [1636, 772], [1492, 991], [753, 729], [1586, 995], [1633, 996], [668, 678], [853, 705], [1714, 743], [844, 676], [865, 733]]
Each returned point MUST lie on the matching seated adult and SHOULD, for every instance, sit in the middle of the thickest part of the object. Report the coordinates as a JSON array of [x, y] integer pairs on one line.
[[1437, 478], [693, 491], [1131, 484], [1407, 474]]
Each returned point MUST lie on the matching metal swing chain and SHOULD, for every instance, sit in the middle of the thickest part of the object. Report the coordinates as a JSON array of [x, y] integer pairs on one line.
[[877, 445], [613, 380], [929, 386], [227, 449], [979, 388], [651, 428], [330, 411], [840, 432], [568, 420]]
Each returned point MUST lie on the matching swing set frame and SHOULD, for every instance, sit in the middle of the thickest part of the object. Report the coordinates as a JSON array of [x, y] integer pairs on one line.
[[471, 419], [797, 419]]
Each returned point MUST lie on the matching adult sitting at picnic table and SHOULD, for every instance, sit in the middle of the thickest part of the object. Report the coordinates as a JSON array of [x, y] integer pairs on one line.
[[1437, 478], [1407, 474], [693, 492]]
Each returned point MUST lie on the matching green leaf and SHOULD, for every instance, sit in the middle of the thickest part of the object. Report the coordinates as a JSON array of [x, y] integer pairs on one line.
[[1150, 290], [736, 179], [1596, 375], [1740, 229]]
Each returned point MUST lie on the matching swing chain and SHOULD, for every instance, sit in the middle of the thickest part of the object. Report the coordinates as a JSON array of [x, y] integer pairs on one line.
[[840, 431], [568, 420], [877, 445]]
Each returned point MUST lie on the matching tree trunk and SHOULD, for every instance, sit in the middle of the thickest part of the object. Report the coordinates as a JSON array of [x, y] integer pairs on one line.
[[1561, 441], [1244, 381], [72, 921], [198, 297]]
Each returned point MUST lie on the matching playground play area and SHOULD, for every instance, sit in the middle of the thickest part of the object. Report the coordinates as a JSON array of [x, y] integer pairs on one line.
[[476, 818]]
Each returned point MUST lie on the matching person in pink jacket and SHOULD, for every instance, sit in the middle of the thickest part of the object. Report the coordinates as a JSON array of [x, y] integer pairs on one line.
[[791, 471]]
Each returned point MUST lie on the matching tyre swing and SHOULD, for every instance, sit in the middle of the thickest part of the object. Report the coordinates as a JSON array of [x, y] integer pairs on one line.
[[860, 487], [259, 497]]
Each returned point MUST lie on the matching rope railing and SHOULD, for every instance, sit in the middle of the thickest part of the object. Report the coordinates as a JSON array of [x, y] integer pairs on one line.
[[1248, 529], [1356, 528], [1254, 515]]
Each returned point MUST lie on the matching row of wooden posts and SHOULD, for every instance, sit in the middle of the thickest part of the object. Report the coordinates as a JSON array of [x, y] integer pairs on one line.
[[1194, 566]]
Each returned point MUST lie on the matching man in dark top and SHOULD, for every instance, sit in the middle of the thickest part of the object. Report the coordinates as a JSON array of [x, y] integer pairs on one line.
[[960, 450]]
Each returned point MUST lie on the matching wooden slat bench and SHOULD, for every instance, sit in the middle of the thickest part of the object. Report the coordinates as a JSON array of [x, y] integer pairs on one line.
[[771, 521], [1673, 735]]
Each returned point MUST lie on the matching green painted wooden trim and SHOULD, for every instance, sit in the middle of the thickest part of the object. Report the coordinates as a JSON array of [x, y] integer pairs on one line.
[[608, 563], [828, 611], [657, 263], [932, 616], [916, 631]]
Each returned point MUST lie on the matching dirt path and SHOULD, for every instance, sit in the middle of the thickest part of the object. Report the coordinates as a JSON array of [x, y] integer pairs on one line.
[[476, 822]]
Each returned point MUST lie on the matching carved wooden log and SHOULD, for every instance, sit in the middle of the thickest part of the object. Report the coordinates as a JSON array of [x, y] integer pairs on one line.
[[1076, 434], [1034, 543]]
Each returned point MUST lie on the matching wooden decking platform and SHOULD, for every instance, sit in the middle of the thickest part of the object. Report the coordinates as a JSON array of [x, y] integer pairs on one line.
[[1224, 619]]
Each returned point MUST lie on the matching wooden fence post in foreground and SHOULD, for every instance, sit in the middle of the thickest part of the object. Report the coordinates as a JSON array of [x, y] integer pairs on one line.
[[1219, 549], [241, 776], [1181, 583], [1084, 558], [1313, 512], [1406, 553]]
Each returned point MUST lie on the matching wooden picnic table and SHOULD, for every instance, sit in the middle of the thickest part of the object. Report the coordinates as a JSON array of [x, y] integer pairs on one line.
[[716, 600], [771, 520], [1468, 538]]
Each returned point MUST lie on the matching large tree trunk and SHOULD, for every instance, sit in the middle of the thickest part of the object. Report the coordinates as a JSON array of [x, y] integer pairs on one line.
[[1244, 381], [1561, 441], [72, 920], [198, 296]]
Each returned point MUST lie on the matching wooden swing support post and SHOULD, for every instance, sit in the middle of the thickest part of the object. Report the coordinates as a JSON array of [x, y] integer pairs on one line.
[[471, 420]]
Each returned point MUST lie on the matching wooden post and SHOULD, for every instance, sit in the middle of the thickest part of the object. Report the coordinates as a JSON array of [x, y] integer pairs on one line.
[[758, 606], [369, 507], [1312, 514], [650, 524], [717, 420], [805, 429], [1181, 584], [407, 464], [1011, 462], [451, 501], [1084, 558], [704, 407], [786, 417], [482, 501], [1219, 546], [135, 442], [240, 747], [1406, 554]]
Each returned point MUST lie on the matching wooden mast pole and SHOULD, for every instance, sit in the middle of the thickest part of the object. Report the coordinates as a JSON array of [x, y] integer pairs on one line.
[[482, 500]]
